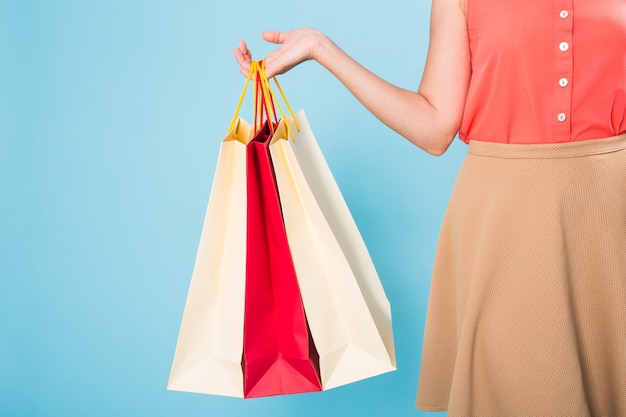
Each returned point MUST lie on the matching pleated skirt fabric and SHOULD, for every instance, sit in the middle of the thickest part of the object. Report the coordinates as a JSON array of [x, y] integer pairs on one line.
[[527, 310]]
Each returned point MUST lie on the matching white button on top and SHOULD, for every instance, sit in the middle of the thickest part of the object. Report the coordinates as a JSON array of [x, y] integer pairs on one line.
[[564, 14], [564, 46], [561, 117], [563, 82]]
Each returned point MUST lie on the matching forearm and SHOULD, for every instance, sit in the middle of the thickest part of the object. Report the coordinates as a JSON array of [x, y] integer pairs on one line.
[[407, 112]]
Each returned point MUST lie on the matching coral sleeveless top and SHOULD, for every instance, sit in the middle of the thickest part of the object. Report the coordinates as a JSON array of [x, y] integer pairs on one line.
[[545, 71]]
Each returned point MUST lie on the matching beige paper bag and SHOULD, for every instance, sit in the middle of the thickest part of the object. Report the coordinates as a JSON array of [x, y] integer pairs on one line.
[[345, 303], [210, 342]]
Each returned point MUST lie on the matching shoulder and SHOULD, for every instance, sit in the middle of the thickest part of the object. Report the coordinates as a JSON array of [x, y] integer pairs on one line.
[[445, 12], [449, 7]]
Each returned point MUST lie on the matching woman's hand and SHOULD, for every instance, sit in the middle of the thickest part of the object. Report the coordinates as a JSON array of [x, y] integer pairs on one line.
[[296, 46]]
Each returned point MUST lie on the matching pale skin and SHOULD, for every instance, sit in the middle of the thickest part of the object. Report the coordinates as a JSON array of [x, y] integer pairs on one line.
[[429, 117]]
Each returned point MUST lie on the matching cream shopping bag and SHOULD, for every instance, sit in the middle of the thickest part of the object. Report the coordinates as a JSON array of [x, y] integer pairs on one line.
[[345, 303], [210, 342]]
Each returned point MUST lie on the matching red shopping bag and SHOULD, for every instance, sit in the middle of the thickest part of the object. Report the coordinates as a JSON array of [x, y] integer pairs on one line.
[[278, 354]]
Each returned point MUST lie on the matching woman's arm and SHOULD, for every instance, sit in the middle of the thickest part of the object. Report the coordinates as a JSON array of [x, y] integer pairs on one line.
[[430, 117]]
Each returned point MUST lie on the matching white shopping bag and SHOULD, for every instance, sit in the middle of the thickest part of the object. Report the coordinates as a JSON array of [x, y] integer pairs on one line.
[[345, 303], [210, 342]]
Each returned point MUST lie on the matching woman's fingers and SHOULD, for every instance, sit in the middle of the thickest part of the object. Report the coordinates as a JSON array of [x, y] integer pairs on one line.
[[244, 66], [296, 46], [243, 47], [243, 57]]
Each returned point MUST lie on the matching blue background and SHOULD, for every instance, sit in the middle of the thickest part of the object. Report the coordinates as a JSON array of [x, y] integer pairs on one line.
[[111, 114]]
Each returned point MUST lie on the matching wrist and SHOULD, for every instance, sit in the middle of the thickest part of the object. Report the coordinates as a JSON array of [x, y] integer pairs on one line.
[[319, 45]]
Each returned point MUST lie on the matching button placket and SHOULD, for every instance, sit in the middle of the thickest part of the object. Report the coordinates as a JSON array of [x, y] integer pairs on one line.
[[563, 15]]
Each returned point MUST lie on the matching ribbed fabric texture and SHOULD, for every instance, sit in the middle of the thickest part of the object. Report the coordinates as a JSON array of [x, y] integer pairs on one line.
[[527, 311]]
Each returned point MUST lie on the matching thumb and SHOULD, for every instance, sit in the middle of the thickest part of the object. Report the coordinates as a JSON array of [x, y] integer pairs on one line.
[[273, 36]]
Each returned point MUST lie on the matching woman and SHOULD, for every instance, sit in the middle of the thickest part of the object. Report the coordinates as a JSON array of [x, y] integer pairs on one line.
[[527, 311]]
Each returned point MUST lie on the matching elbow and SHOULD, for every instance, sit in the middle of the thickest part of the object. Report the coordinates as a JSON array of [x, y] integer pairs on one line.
[[434, 145], [439, 133], [435, 133], [439, 144], [437, 150]]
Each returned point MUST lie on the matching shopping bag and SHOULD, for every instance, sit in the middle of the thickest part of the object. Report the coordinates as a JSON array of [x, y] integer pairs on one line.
[[210, 342], [345, 303], [279, 355], [277, 255]]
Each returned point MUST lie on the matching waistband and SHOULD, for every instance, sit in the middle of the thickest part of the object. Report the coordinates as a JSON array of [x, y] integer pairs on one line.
[[548, 150]]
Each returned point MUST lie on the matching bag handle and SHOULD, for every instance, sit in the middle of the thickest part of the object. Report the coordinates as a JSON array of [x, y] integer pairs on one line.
[[243, 94], [264, 108], [271, 93], [265, 103]]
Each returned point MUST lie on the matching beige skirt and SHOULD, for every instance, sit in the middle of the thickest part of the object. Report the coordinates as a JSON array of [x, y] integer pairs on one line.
[[527, 310]]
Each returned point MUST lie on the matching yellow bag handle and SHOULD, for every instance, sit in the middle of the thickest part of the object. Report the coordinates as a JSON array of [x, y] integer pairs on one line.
[[270, 93], [243, 94], [267, 98], [257, 69], [293, 116]]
